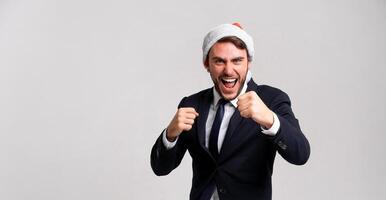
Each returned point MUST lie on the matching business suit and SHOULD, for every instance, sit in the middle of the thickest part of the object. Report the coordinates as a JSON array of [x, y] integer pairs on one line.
[[244, 167]]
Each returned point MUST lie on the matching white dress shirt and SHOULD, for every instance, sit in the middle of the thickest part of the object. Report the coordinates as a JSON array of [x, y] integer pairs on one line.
[[229, 109]]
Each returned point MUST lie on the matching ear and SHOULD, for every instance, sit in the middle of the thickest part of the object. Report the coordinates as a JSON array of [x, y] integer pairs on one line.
[[206, 65]]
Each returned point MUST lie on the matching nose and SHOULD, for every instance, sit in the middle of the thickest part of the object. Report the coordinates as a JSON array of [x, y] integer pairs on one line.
[[228, 69]]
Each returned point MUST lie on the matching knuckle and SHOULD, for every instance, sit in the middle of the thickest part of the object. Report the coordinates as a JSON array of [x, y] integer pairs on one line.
[[180, 114]]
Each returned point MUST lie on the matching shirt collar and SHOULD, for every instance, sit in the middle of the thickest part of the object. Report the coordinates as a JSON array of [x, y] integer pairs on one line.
[[217, 96]]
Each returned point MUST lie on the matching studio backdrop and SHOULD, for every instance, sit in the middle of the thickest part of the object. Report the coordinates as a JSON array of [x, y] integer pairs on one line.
[[86, 87]]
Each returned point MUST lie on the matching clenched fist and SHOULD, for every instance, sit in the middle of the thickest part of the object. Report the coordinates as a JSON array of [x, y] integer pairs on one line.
[[251, 106], [182, 121]]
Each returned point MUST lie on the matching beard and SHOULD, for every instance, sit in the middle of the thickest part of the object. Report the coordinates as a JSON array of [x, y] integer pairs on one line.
[[240, 81]]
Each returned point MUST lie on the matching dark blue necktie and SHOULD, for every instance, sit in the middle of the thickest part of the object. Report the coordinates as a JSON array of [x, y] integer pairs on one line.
[[213, 147], [213, 138]]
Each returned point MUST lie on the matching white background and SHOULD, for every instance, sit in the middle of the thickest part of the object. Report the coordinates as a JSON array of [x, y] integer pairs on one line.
[[87, 86]]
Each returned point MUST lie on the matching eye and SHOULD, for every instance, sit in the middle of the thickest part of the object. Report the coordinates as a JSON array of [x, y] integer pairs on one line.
[[218, 62], [237, 61]]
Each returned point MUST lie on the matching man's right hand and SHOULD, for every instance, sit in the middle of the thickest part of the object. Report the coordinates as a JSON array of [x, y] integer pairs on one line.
[[183, 120]]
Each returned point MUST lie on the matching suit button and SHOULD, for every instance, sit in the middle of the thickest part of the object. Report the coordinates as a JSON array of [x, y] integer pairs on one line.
[[282, 145], [222, 190]]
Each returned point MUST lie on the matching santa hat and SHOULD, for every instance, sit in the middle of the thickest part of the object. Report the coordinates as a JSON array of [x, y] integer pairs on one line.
[[225, 30]]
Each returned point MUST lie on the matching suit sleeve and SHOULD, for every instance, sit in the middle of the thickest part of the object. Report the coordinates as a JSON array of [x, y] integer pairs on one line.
[[289, 141], [164, 160]]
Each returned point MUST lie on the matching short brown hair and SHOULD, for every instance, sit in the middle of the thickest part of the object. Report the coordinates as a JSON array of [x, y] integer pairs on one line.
[[235, 41]]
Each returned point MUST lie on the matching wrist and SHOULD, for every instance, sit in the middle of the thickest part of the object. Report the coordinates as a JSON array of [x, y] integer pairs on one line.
[[268, 122], [170, 138]]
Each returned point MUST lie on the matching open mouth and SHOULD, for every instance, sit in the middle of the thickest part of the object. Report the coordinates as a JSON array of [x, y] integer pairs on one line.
[[229, 82]]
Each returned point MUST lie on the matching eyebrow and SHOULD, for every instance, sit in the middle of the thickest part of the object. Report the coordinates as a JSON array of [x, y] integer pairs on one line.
[[218, 58], [232, 60], [237, 58]]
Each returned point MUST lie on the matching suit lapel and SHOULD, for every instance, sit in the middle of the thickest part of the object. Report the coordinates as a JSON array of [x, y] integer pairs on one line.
[[234, 122], [232, 138], [203, 111]]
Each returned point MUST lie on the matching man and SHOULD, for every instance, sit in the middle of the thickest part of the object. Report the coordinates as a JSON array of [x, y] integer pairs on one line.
[[233, 130]]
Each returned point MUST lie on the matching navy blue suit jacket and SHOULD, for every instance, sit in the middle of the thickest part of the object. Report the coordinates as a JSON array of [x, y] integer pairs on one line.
[[244, 167]]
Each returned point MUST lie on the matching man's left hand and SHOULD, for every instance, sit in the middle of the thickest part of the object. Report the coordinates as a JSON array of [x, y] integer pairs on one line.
[[251, 106]]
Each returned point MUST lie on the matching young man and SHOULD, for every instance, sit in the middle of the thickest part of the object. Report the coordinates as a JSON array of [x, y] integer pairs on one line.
[[233, 130]]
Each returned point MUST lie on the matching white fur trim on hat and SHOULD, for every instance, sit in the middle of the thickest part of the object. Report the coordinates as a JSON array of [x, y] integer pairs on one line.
[[225, 30]]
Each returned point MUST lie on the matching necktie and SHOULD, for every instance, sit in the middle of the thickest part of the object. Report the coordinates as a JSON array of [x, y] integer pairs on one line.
[[213, 147], [213, 138]]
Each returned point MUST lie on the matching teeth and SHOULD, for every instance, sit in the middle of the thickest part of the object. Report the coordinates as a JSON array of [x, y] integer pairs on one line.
[[228, 80]]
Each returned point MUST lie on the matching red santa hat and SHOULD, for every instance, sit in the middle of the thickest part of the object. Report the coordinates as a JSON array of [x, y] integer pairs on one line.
[[226, 30]]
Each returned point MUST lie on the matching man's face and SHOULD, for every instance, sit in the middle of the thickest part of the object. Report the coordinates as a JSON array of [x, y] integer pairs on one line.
[[228, 68]]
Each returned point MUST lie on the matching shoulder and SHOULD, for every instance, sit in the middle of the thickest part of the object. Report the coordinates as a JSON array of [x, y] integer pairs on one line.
[[269, 91], [194, 99], [270, 95]]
